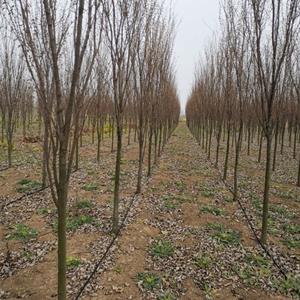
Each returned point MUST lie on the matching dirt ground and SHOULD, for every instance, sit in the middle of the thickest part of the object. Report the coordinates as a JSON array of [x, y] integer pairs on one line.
[[184, 237]]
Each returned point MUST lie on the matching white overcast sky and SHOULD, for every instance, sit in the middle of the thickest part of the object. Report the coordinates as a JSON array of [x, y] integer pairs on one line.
[[197, 21]]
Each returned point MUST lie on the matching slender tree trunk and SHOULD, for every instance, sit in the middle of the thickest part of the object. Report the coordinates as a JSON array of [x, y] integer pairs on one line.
[[218, 145], [282, 139], [62, 244], [150, 151], [140, 167], [209, 143], [98, 140], [266, 189], [156, 145], [298, 179], [112, 136], [117, 179], [275, 146], [249, 140], [260, 146], [295, 141], [45, 155], [227, 153], [77, 155], [236, 162]]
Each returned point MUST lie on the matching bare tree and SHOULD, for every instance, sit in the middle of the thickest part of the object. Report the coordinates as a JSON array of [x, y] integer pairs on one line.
[[61, 32]]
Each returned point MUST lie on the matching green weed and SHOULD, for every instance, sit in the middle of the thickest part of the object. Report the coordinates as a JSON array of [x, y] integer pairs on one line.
[[89, 187], [162, 248], [73, 262], [27, 185], [149, 281], [23, 232]]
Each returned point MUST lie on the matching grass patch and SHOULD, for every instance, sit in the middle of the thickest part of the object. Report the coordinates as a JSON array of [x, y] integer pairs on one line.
[[257, 260], [149, 281], [169, 202], [289, 286], [73, 223], [207, 191], [212, 210], [27, 185], [73, 262], [256, 201], [162, 249], [252, 275], [282, 211], [291, 243], [223, 235], [89, 187], [167, 296], [292, 228], [84, 204], [215, 226], [22, 232], [203, 261], [285, 194]]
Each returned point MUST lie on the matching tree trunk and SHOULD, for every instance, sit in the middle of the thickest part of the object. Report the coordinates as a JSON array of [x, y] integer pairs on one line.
[[260, 147], [140, 167], [112, 136], [62, 245], [98, 140], [227, 153], [117, 179], [150, 151], [282, 139], [298, 179], [236, 162], [209, 143], [45, 155], [295, 141], [218, 145], [275, 146], [266, 189]]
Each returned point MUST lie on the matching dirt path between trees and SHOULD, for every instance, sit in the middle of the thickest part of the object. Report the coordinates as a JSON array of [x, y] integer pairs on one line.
[[188, 240]]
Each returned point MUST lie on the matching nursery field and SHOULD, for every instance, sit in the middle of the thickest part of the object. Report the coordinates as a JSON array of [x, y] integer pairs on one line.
[[183, 237]]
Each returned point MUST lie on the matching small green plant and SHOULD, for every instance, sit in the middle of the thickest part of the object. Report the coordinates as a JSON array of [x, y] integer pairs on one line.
[[223, 235], [256, 201], [27, 185], [292, 228], [212, 210], [23, 232], [202, 261], [89, 187], [291, 243], [162, 248], [257, 260], [215, 226], [169, 205], [149, 281], [207, 191], [47, 211], [285, 194], [118, 269], [84, 204], [73, 223], [228, 237], [289, 286], [169, 202], [76, 222], [73, 262], [166, 296], [228, 199], [282, 211], [27, 254]]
